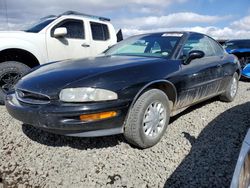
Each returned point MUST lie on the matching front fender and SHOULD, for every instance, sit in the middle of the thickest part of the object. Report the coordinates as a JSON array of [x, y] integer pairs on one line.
[[153, 83], [38, 51]]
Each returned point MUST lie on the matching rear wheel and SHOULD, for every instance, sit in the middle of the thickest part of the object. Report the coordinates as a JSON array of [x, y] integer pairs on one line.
[[232, 89], [10, 73], [148, 119]]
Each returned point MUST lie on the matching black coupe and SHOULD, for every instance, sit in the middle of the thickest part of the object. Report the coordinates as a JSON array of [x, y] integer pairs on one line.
[[132, 89]]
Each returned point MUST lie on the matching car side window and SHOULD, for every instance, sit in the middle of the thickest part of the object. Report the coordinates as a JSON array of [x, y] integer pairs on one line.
[[219, 51], [99, 31], [198, 42], [75, 28]]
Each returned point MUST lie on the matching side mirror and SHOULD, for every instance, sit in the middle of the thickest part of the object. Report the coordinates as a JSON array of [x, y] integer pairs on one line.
[[195, 54], [60, 32]]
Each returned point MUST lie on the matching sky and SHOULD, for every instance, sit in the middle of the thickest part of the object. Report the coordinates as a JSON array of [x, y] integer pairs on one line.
[[221, 19]]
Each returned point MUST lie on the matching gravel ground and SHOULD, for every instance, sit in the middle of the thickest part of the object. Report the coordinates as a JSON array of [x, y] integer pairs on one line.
[[199, 149]]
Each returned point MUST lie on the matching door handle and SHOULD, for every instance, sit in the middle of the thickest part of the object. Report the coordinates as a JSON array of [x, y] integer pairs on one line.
[[85, 45]]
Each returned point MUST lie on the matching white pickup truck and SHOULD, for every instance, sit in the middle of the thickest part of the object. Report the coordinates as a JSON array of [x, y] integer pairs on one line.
[[53, 38]]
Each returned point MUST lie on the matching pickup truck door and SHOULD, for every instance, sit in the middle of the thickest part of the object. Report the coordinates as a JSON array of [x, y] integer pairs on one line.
[[201, 78], [100, 37], [75, 44]]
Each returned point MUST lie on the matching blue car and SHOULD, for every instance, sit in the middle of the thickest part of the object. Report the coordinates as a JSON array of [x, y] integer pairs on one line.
[[240, 48]]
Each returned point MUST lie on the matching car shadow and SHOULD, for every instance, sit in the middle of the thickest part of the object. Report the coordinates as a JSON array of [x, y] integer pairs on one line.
[[214, 153], [80, 143], [245, 80], [192, 108]]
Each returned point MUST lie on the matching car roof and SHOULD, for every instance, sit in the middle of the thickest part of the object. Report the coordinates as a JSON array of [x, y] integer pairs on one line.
[[78, 14]]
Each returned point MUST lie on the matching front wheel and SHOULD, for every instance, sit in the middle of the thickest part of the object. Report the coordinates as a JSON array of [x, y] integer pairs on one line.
[[10, 73], [148, 119], [232, 89]]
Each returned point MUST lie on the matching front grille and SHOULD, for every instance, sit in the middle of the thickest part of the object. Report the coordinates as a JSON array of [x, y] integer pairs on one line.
[[31, 98]]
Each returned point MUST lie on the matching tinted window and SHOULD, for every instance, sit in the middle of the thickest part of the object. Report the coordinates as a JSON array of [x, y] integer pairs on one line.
[[99, 31], [198, 42], [75, 28], [155, 45], [39, 26]]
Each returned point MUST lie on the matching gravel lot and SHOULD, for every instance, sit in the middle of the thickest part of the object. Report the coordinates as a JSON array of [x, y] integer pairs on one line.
[[199, 149]]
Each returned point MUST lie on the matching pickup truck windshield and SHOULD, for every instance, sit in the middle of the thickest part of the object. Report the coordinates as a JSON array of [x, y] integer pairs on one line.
[[161, 45], [37, 27]]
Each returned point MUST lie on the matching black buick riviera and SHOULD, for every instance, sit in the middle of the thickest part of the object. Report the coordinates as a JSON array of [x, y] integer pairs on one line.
[[132, 89]]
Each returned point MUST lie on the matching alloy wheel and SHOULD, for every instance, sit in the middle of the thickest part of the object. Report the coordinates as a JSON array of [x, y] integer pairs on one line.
[[234, 86]]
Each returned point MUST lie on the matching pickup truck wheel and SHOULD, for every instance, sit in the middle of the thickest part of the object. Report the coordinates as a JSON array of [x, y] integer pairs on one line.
[[232, 88], [10, 73], [148, 119]]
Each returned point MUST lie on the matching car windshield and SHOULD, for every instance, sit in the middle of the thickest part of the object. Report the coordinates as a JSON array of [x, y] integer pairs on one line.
[[230, 45], [37, 27], [154, 45]]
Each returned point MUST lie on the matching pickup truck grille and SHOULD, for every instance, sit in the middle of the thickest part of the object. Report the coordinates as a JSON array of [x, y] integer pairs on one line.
[[31, 98]]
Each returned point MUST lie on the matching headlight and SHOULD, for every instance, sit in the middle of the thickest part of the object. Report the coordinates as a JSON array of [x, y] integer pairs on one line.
[[86, 94]]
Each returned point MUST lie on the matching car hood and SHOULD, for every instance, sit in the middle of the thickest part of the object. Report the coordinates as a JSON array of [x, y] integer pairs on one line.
[[7, 33], [49, 79], [22, 35], [13, 33]]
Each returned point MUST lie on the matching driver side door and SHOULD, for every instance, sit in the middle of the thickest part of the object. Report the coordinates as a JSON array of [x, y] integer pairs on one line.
[[75, 44], [201, 78]]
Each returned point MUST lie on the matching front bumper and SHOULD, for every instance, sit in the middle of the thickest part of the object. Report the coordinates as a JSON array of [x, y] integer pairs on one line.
[[63, 118]]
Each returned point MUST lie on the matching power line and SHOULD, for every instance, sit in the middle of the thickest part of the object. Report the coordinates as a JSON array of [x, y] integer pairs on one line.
[[6, 13]]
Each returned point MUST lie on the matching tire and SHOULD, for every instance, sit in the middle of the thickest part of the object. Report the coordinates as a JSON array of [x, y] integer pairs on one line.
[[138, 130], [232, 89], [10, 73]]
